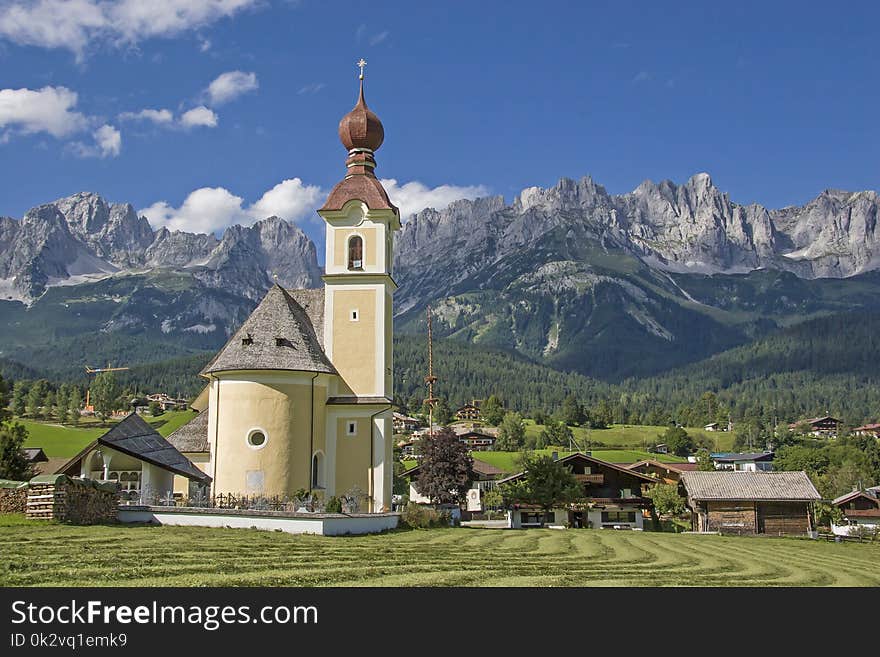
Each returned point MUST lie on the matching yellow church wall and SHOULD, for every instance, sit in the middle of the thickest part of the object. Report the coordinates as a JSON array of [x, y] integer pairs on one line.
[[202, 461], [389, 346], [281, 411], [354, 342], [353, 456], [340, 244]]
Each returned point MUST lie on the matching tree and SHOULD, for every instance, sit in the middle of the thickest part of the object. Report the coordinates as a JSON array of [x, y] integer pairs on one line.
[[704, 460], [546, 483], [74, 402], [104, 393], [572, 413], [49, 404], [442, 412], [492, 410], [156, 409], [601, 417], [19, 398], [36, 397], [677, 441], [540, 417], [666, 499], [446, 469], [13, 464], [512, 434], [556, 433], [4, 399]]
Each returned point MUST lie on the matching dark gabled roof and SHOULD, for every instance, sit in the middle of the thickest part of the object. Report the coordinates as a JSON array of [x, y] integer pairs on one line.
[[134, 437], [752, 486], [35, 454], [192, 436], [592, 459], [750, 456], [675, 467], [279, 335], [867, 494]]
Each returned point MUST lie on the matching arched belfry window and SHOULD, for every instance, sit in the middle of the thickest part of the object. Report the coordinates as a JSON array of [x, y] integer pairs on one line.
[[355, 252]]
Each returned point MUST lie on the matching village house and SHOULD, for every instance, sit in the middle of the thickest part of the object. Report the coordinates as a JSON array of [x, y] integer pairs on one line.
[[667, 473], [747, 462], [868, 430], [861, 509], [476, 441], [825, 426], [402, 423], [468, 412], [167, 402], [613, 498], [774, 503], [485, 478]]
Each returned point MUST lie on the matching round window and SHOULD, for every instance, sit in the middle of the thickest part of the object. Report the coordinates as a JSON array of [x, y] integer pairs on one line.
[[256, 439]]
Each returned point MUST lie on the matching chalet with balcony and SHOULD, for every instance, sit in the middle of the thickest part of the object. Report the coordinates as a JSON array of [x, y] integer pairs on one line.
[[612, 498], [402, 423], [748, 462], [477, 441], [861, 510], [868, 430], [469, 412], [825, 426], [773, 503]]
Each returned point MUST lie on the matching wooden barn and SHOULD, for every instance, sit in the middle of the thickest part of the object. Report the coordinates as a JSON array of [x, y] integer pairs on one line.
[[773, 503]]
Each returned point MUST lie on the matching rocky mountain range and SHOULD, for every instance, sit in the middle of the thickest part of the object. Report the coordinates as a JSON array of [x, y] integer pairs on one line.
[[83, 238], [570, 276]]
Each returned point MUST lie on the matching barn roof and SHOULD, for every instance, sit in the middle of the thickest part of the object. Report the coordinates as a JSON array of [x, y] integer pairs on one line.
[[192, 436], [279, 335], [755, 486]]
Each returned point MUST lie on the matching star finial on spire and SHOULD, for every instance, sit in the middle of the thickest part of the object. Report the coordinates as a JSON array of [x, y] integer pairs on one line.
[[361, 63]]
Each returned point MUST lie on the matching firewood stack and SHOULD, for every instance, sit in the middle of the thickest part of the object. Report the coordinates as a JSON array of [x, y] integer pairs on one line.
[[13, 496], [77, 501]]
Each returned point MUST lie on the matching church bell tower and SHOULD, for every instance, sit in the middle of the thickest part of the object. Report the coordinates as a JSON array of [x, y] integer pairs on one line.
[[358, 286]]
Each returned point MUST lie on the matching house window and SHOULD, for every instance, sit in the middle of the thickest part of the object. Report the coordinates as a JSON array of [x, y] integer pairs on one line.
[[351, 428], [256, 439], [618, 516], [354, 315], [318, 470], [535, 518], [355, 252]]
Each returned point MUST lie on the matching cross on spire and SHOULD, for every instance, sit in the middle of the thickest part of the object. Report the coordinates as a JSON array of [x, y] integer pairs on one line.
[[361, 63]]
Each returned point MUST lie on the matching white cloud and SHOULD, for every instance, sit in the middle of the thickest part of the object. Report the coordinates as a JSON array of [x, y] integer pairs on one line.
[[230, 85], [159, 117], [376, 39], [414, 196], [212, 209], [289, 199], [642, 76], [204, 44], [199, 116], [108, 143], [311, 88], [50, 109], [75, 24]]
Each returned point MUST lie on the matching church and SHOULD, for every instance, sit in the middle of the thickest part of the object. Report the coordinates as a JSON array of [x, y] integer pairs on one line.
[[300, 396]]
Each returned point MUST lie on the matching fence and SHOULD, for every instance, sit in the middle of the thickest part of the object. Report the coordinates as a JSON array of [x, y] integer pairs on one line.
[[350, 502]]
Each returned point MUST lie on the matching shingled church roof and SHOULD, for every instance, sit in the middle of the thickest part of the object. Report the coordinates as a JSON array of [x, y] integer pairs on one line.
[[279, 335], [192, 436]]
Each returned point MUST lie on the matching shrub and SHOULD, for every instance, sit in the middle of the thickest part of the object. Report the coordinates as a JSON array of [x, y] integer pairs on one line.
[[417, 516], [334, 505]]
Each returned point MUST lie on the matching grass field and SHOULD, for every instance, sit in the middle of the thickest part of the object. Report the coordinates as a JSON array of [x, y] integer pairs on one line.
[[635, 435], [35, 553], [58, 440]]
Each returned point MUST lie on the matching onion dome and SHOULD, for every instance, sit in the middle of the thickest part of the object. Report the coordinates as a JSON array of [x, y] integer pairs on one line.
[[361, 128]]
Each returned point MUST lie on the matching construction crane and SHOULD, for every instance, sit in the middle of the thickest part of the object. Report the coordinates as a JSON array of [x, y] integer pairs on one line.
[[100, 370], [430, 380]]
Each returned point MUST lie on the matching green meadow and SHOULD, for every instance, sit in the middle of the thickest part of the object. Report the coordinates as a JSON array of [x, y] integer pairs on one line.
[[37, 553]]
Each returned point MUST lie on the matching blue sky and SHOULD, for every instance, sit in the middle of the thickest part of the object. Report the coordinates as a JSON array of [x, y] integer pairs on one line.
[[776, 100]]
